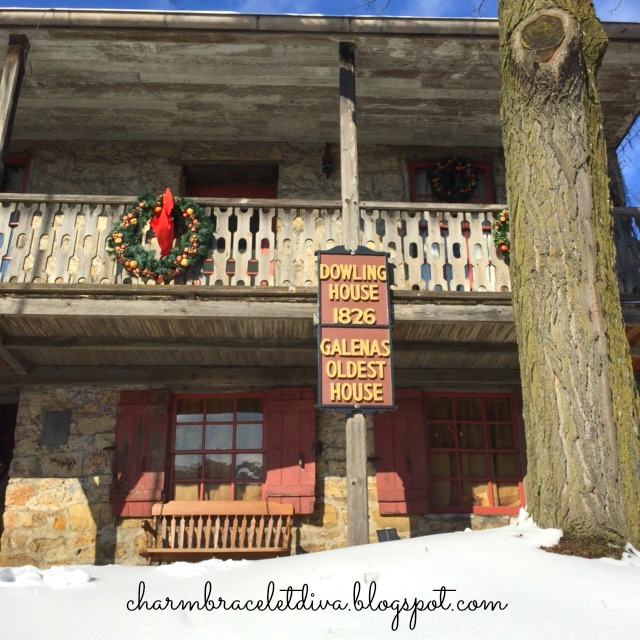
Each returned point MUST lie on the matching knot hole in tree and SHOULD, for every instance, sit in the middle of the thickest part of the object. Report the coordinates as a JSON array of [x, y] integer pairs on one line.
[[544, 36]]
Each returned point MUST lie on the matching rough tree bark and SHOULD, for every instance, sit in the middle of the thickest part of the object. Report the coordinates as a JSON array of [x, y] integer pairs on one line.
[[581, 404]]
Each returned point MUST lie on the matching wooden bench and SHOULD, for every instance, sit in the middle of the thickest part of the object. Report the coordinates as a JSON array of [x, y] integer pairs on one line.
[[200, 530]]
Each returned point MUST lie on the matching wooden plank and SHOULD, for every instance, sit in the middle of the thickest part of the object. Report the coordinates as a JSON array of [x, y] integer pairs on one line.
[[426, 311], [220, 508], [349, 147], [10, 84], [357, 500], [243, 377], [18, 363]]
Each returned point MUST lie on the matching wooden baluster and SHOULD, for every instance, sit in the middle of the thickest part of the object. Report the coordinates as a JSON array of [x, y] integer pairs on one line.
[[172, 539], [456, 244], [181, 540], [265, 243], [251, 533], [216, 534], [234, 532], [190, 533], [221, 256], [163, 520], [200, 543], [225, 532], [285, 248], [267, 542], [278, 532], [260, 540]]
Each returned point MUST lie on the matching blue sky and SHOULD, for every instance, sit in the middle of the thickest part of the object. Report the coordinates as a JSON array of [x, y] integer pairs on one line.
[[607, 10]]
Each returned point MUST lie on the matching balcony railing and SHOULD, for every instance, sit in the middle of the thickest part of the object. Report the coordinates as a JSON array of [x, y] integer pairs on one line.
[[434, 247]]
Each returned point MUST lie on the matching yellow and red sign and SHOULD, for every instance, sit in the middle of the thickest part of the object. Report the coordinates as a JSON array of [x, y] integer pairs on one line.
[[354, 336]]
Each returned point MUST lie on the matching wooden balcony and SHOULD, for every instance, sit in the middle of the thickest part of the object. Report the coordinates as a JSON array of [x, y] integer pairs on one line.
[[432, 247]]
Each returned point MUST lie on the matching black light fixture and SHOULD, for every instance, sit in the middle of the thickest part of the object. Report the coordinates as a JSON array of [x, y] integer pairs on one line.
[[327, 161]]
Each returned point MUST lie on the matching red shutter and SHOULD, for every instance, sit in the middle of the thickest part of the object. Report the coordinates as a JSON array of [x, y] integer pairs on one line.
[[291, 459], [401, 466], [141, 450]]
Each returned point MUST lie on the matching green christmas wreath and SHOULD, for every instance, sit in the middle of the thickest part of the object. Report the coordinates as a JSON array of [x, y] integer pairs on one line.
[[453, 180], [192, 229], [501, 235]]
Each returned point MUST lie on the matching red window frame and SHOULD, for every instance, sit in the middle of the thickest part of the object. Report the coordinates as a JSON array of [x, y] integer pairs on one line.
[[203, 451], [24, 162], [488, 198], [488, 478]]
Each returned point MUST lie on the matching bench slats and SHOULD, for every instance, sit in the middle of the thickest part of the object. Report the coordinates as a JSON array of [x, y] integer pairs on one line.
[[221, 528]]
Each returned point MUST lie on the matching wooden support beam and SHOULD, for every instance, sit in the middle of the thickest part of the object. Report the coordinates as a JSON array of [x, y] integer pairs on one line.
[[349, 147], [234, 344], [16, 362], [10, 84], [249, 377], [163, 309], [357, 500]]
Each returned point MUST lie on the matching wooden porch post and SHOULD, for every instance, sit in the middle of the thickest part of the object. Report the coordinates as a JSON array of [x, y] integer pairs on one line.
[[349, 147], [356, 431], [10, 84]]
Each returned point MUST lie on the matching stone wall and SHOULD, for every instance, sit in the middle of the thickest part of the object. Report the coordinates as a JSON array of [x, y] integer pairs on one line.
[[327, 527], [57, 505], [130, 168]]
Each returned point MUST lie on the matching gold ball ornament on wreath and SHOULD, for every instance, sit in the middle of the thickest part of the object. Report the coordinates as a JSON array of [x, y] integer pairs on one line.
[[192, 229]]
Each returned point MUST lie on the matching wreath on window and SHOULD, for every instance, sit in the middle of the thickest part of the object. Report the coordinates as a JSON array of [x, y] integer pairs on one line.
[[501, 235], [453, 180], [170, 218]]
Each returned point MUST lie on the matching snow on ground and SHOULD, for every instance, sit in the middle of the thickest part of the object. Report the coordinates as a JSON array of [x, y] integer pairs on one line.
[[426, 587]]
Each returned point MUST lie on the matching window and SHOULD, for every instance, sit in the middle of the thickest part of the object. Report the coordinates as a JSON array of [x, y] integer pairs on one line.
[[421, 186], [231, 180], [473, 460], [14, 175], [218, 448]]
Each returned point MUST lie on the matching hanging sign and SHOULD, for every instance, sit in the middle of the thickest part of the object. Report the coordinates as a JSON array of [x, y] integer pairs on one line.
[[354, 335]]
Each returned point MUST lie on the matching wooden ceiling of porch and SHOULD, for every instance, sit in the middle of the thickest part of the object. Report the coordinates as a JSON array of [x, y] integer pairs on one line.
[[242, 338], [150, 84]]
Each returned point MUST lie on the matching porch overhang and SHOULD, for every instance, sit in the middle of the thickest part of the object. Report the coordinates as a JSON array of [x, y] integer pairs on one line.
[[243, 338], [118, 75]]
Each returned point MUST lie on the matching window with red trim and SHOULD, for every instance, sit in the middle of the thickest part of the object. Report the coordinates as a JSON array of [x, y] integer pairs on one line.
[[14, 175], [421, 186], [473, 457], [218, 448]]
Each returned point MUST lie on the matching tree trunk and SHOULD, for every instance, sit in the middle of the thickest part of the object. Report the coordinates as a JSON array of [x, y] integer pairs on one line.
[[581, 404]]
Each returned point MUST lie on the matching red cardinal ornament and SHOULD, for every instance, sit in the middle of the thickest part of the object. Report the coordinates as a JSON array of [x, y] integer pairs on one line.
[[162, 224]]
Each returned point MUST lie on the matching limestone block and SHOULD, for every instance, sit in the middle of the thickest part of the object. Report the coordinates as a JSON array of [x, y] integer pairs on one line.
[[96, 462], [61, 465], [81, 518], [18, 496], [89, 425], [330, 516], [43, 545], [401, 523], [60, 524]]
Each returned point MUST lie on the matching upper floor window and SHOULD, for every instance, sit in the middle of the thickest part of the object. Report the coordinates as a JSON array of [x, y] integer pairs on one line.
[[229, 180], [14, 175], [420, 174], [218, 450]]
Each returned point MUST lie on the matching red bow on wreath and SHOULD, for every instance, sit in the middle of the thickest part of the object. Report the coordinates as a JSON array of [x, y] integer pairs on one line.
[[162, 224]]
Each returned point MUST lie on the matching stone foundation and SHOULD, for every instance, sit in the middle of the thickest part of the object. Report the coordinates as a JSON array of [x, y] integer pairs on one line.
[[57, 504]]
